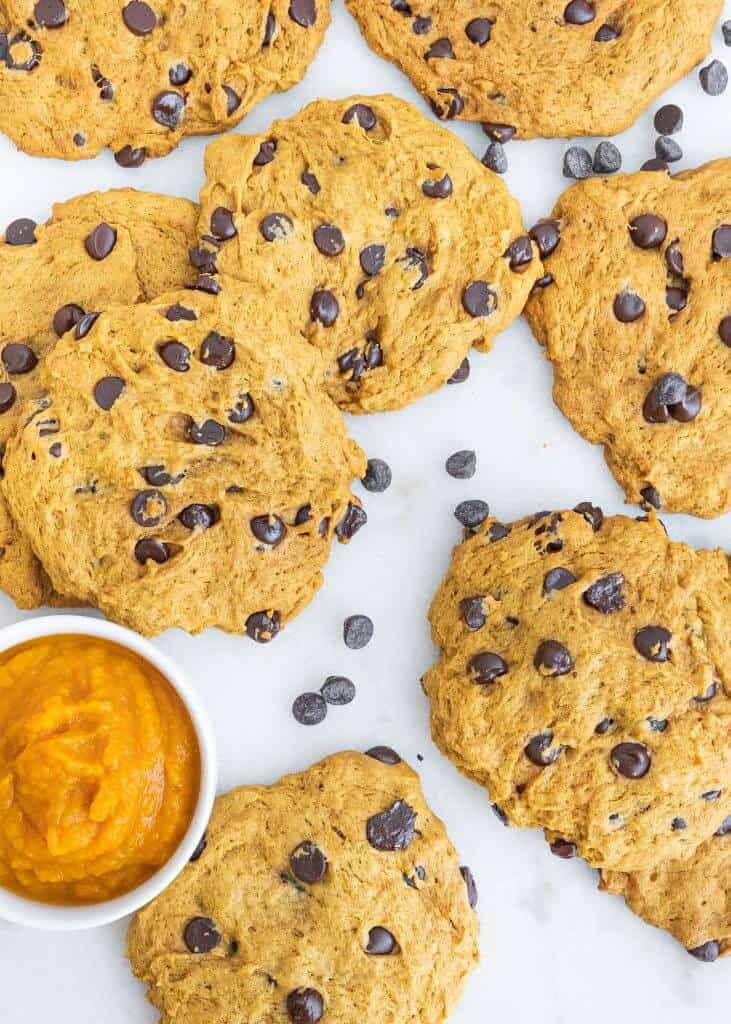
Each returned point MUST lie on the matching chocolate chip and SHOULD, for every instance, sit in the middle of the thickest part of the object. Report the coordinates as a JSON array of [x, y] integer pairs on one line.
[[148, 508], [207, 284], [324, 308], [454, 107], [553, 659], [604, 726], [178, 312], [354, 519], [478, 31], [309, 179], [269, 529], [486, 667], [381, 942], [139, 18], [304, 13], [628, 307], [149, 550], [267, 152], [724, 330], [479, 299], [472, 513], [131, 157], [201, 935], [101, 241], [577, 163], [107, 391], [338, 690], [233, 100], [539, 750], [372, 259], [168, 108], [726, 32], [309, 709], [199, 850], [667, 150], [50, 13], [304, 1005], [7, 396], [519, 253], [421, 26], [563, 849], [668, 119], [708, 952], [579, 12], [714, 78], [357, 632], [269, 30], [498, 132], [657, 724], [21, 232], [243, 410], [607, 158], [393, 829], [592, 514], [712, 794], [209, 433], [674, 259], [175, 355], [557, 579], [263, 626], [462, 465], [386, 755], [653, 642], [650, 496], [630, 759], [440, 49], [495, 158], [724, 829], [606, 34], [222, 224], [648, 231], [180, 74], [605, 594], [362, 115], [437, 188], [546, 235], [308, 863], [65, 318], [461, 374], [721, 242], [669, 389], [329, 239], [472, 610], [676, 299], [199, 517], [18, 358], [378, 476], [654, 165], [217, 351]]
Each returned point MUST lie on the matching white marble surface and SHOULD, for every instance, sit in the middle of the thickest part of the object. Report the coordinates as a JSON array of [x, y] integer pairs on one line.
[[553, 948]]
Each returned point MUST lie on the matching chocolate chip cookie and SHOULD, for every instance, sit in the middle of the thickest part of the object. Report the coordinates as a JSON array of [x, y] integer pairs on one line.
[[77, 76], [98, 249], [540, 67], [690, 898], [635, 315], [378, 233], [583, 678], [183, 466], [333, 895]]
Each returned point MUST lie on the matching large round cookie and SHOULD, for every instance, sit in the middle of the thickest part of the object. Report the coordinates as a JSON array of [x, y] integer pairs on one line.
[[333, 895], [540, 67], [77, 75], [583, 679], [184, 467], [636, 319], [690, 898], [378, 233], [54, 273]]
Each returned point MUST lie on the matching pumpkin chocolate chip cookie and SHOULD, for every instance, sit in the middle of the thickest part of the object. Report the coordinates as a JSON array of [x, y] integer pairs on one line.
[[77, 76], [183, 466], [583, 678], [540, 67], [102, 248], [635, 315], [334, 895], [378, 233]]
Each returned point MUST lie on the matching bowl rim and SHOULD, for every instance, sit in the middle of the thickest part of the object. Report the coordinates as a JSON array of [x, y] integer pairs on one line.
[[51, 917]]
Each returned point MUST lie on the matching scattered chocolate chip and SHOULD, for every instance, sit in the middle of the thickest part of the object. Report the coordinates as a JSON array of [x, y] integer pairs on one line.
[[222, 224], [577, 163], [630, 759], [653, 642], [678, 824], [309, 709], [209, 433], [461, 374], [478, 31], [498, 531], [372, 259], [201, 935], [546, 235], [354, 519], [386, 755], [139, 18], [18, 358], [472, 610], [324, 308], [437, 188], [378, 476], [107, 391], [519, 253], [263, 626], [563, 849], [338, 690], [553, 659], [472, 513], [178, 312], [486, 667], [175, 355], [304, 1005], [267, 152], [168, 108], [21, 232], [440, 49], [557, 579], [454, 107], [65, 318], [479, 299], [498, 132], [495, 158], [654, 165], [724, 829], [329, 239], [131, 157], [650, 496], [714, 78], [199, 517], [628, 307], [7, 396], [148, 508], [604, 726], [462, 465], [270, 530], [150, 550], [606, 594], [217, 351], [85, 325], [304, 13], [421, 26], [707, 953], [648, 231], [721, 242], [712, 794], [676, 299], [308, 863], [393, 829], [539, 750], [357, 632], [591, 513], [362, 115], [243, 410], [724, 330], [607, 158], [50, 13], [579, 12], [668, 150], [668, 119]]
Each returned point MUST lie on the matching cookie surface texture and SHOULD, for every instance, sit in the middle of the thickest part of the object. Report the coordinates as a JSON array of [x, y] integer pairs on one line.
[[637, 323], [583, 680], [184, 467], [541, 68], [333, 895], [51, 282], [378, 233], [77, 76]]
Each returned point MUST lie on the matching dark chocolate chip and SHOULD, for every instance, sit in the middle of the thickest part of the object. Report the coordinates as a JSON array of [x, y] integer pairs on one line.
[[150, 550], [606, 595], [479, 299], [478, 31], [648, 231], [393, 829], [324, 308], [269, 30], [486, 667], [724, 829], [707, 953], [175, 355], [304, 13], [557, 579], [199, 517], [139, 18], [462, 465], [721, 242], [539, 750], [563, 849], [668, 150], [657, 724], [304, 1005], [7, 396], [724, 330], [178, 312], [209, 433], [50, 13], [676, 299], [381, 942], [243, 410], [308, 863], [628, 307], [217, 351], [199, 850], [329, 239], [577, 163], [421, 26], [546, 234], [372, 259], [674, 259], [354, 519], [338, 690], [18, 358], [267, 152], [498, 132], [263, 626], [519, 253], [440, 49], [472, 610], [148, 508], [131, 157], [579, 12], [357, 632], [270, 530], [309, 179], [168, 108], [470, 885], [309, 709], [437, 188], [65, 318], [495, 158], [606, 34], [107, 391], [607, 158], [378, 476], [201, 935], [653, 642], [233, 100], [591, 513], [179, 74], [157, 476], [222, 224], [461, 374], [386, 755], [630, 759], [362, 115], [101, 241], [653, 164], [604, 726], [714, 78], [472, 513], [21, 232], [553, 659]]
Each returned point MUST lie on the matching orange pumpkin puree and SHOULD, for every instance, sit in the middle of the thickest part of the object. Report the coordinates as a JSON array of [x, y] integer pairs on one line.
[[99, 770]]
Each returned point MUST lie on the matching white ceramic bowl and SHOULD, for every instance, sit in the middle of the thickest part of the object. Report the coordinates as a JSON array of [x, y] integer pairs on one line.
[[53, 918]]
